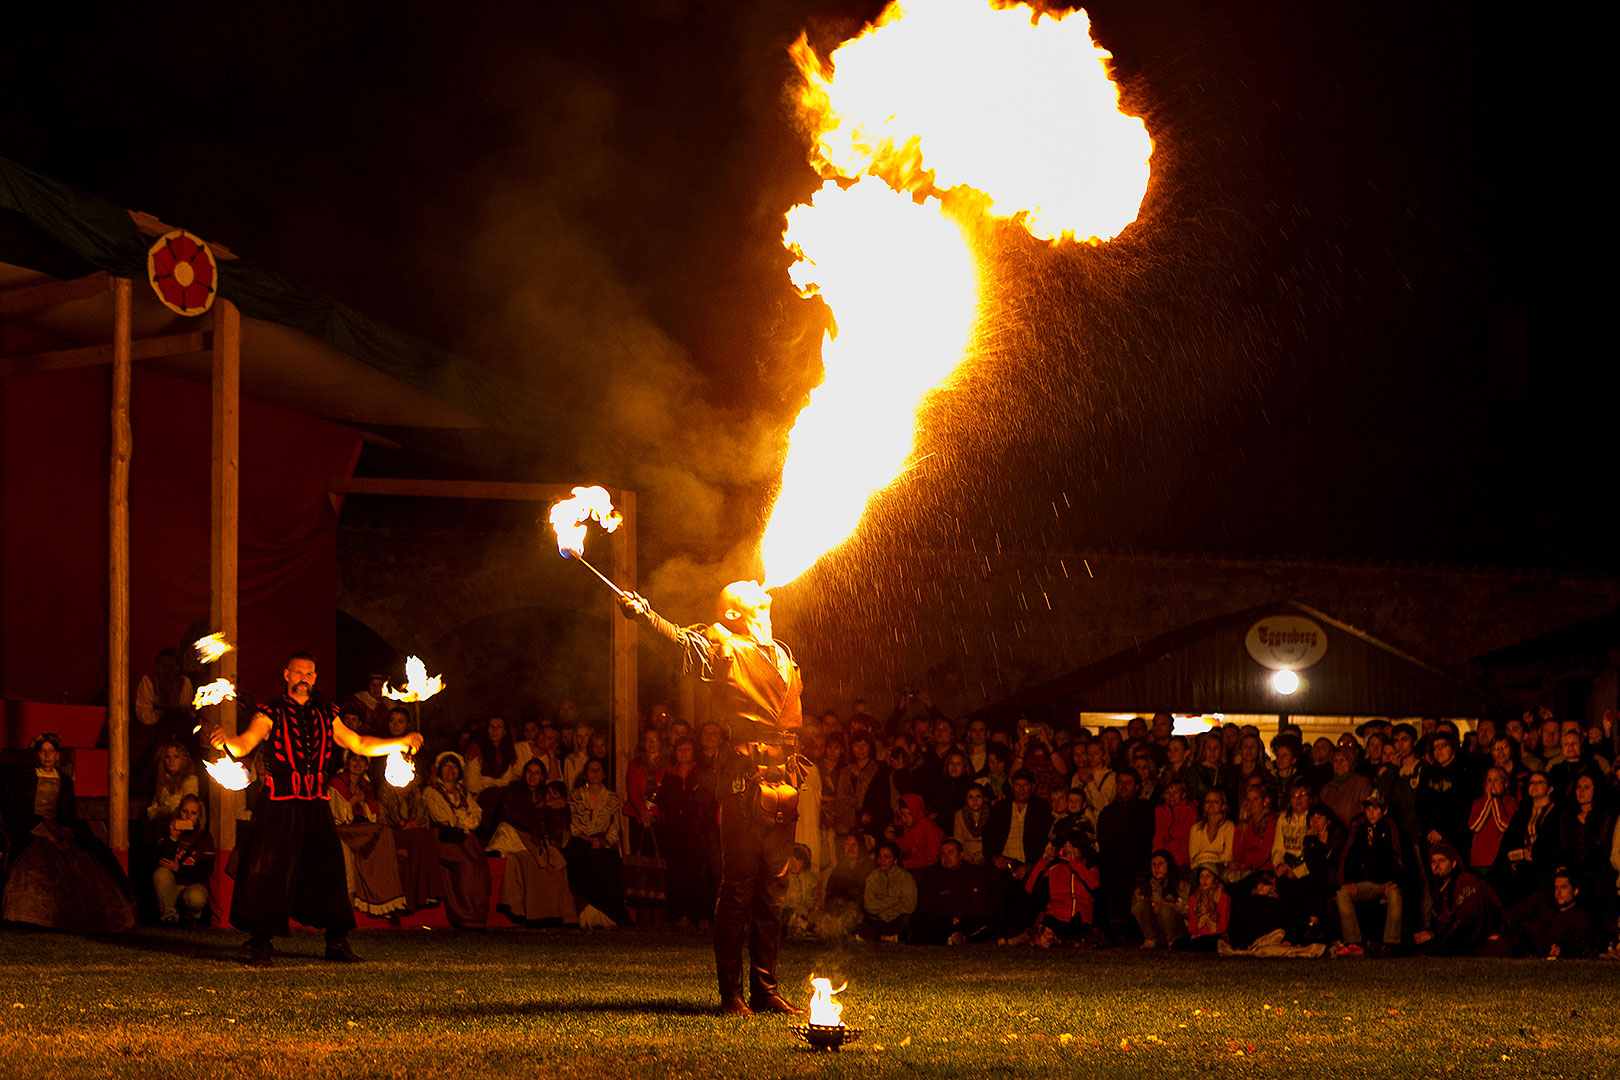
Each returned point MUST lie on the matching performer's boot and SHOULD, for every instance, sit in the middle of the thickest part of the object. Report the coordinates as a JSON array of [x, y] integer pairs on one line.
[[337, 949], [733, 1005], [259, 953]]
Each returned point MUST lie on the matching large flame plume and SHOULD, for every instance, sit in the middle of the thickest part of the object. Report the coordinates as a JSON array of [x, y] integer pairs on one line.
[[418, 685], [976, 113], [569, 516]]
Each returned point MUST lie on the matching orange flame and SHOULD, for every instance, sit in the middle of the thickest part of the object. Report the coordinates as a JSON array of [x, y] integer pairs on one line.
[[213, 693], [961, 108], [824, 1011], [228, 774], [211, 648], [397, 771], [569, 516], [418, 686]]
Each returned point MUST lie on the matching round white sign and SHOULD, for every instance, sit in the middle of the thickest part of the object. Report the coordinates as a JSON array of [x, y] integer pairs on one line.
[[1286, 642]]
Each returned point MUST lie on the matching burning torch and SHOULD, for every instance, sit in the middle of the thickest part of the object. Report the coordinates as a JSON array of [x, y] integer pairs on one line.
[[227, 772], [419, 686], [569, 518]]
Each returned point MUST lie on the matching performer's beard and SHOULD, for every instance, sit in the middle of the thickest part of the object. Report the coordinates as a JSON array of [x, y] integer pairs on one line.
[[300, 688]]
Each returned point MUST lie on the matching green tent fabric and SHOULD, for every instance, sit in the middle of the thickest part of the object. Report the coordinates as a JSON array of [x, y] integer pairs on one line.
[[104, 237]]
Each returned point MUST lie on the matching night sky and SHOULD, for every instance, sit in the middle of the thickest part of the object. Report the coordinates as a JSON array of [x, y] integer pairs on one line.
[[1319, 338]]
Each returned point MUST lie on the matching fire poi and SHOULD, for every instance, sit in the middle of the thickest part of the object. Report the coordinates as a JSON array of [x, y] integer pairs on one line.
[[213, 693], [211, 648], [419, 686]]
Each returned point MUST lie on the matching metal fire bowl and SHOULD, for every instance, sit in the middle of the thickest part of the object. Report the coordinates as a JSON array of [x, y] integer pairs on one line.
[[827, 1036]]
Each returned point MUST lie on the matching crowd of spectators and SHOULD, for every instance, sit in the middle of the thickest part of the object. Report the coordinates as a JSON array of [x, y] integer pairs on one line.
[[1396, 838]]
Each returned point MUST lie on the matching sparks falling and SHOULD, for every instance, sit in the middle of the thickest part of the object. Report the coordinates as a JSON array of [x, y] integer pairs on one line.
[[940, 121]]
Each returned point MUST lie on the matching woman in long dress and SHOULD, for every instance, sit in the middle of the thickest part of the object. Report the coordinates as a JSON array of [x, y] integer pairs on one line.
[[61, 876], [595, 870], [368, 846], [466, 870], [535, 884]]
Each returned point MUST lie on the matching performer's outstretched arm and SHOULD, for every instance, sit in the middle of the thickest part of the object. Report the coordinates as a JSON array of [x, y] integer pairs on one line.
[[697, 651], [242, 743], [370, 745]]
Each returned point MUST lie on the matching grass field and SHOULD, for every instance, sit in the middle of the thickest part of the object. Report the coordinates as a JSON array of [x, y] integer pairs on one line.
[[627, 1004]]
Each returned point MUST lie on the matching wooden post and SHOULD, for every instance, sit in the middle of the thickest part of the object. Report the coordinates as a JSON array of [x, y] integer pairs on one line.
[[118, 575], [225, 503], [624, 643]]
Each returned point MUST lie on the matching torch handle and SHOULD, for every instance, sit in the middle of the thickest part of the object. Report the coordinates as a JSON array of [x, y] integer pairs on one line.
[[605, 579]]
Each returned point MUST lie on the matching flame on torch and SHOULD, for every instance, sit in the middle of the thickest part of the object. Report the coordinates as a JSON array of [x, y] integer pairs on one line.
[[568, 518], [824, 1011], [969, 113], [213, 693], [228, 774], [397, 771], [211, 648], [418, 686]]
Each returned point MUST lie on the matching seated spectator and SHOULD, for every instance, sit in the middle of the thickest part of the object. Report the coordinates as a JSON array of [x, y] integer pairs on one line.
[[534, 885], [1068, 814], [889, 898], [1209, 914], [1251, 766], [595, 871], [580, 752], [1531, 844], [1159, 904], [1545, 926], [686, 828], [185, 860], [175, 780], [1173, 821], [1318, 769], [540, 742], [970, 822], [491, 765], [1505, 756], [1302, 887], [952, 788], [1488, 821], [1096, 780], [369, 855], [1252, 840], [915, 834], [1071, 889], [1585, 832], [1175, 765], [1210, 842], [416, 840], [802, 903], [1285, 764], [1465, 910], [1208, 771], [1371, 870], [846, 885], [1124, 845], [61, 875], [456, 814], [1347, 789], [1576, 758], [399, 725], [1147, 775], [953, 900]]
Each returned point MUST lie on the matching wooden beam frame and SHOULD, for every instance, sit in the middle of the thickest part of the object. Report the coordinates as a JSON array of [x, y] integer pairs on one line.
[[224, 528], [48, 294], [91, 355], [118, 571]]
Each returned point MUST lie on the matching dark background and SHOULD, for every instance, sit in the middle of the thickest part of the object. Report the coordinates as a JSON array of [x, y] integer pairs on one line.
[[1320, 337]]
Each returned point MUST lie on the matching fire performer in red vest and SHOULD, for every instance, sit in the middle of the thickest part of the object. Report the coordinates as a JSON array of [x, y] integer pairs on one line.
[[290, 866], [756, 691]]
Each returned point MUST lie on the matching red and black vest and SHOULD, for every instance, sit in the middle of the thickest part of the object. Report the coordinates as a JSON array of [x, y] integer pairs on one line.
[[299, 748]]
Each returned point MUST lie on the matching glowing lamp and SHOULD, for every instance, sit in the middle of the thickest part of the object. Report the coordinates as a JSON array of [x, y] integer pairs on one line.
[[1285, 682]]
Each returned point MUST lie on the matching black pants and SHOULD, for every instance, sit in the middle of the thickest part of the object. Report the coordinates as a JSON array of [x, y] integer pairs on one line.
[[753, 880], [290, 866]]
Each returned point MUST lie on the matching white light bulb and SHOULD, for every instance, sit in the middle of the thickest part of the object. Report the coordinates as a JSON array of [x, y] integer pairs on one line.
[[1285, 682]]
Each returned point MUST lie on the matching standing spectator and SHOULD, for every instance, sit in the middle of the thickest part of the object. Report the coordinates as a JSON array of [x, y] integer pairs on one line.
[[1125, 843], [456, 815], [1585, 831], [185, 859], [1252, 840], [1176, 765], [856, 807], [1209, 914], [1210, 842], [1466, 911], [595, 871], [1529, 851], [573, 766], [687, 819], [1444, 794], [1285, 765], [1097, 780], [1576, 758], [997, 772], [1298, 892], [1174, 820], [978, 748], [1347, 790], [642, 779], [1251, 766], [370, 705], [1159, 904], [846, 885], [540, 742], [1371, 870], [970, 823], [1209, 772], [1014, 837], [1488, 820], [953, 900], [889, 899], [163, 707], [834, 765], [1505, 756], [952, 789]]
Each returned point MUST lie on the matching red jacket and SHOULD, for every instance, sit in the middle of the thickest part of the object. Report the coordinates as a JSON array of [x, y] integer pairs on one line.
[[1071, 886], [1197, 908], [919, 845], [1171, 827]]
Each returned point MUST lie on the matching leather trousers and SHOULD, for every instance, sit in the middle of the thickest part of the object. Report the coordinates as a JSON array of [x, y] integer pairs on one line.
[[753, 881]]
